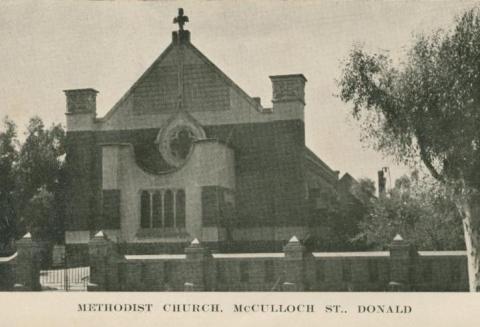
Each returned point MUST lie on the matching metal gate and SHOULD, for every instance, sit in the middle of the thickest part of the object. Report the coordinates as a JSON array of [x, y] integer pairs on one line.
[[61, 277], [65, 279]]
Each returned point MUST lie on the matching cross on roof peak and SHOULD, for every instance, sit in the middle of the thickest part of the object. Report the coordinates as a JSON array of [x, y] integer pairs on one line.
[[181, 19]]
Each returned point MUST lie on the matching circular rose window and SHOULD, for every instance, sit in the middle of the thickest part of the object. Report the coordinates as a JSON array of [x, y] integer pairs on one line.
[[176, 139]]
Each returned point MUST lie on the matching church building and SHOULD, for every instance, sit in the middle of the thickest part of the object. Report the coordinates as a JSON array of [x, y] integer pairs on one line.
[[187, 154]]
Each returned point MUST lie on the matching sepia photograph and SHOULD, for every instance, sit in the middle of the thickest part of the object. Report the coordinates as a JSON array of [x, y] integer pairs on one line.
[[226, 146]]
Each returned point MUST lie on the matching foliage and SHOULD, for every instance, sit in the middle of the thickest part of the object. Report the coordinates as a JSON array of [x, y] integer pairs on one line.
[[40, 213], [428, 107], [342, 214], [31, 175], [40, 172], [364, 191], [427, 110], [39, 162], [8, 157], [419, 209]]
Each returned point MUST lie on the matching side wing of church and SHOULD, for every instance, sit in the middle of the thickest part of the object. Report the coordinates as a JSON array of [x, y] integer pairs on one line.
[[186, 154]]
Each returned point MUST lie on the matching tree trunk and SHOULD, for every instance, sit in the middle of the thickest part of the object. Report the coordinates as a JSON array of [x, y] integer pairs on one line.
[[471, 228]]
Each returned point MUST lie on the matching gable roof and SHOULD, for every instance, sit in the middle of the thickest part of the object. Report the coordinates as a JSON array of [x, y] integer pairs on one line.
[[320, 164], [226, 79], [163, 55], [347, 179]]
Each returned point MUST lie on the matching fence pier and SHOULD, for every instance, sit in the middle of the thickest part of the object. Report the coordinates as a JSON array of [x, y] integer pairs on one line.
[[27, 266], [294, 266], [195, 267], [401, 263], [103, 268]]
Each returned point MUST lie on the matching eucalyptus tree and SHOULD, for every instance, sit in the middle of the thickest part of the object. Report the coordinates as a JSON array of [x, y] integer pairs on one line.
[[427, 109]]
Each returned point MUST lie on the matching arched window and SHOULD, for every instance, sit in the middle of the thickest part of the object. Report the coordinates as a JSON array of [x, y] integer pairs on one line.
[[145, 210], [157, 210], [180, 208], [162, 209], [169, 214]]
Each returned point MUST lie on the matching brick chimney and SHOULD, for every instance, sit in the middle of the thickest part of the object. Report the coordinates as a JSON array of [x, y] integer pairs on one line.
[[81, 108], [288, 88], [81, 101], [382, 181], [288, 94]]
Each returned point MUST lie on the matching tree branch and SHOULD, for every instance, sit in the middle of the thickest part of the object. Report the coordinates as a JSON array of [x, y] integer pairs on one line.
[[428, 162]]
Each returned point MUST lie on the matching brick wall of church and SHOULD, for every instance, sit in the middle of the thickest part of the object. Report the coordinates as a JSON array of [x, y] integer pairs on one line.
[[269, 171], [81, 181], [269, 160]]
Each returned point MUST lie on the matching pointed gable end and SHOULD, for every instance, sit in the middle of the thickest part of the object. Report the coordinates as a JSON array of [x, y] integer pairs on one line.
[[181, 74], [181, 71]]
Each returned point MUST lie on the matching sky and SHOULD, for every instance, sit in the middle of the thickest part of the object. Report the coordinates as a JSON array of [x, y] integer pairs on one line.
[[50, 46]]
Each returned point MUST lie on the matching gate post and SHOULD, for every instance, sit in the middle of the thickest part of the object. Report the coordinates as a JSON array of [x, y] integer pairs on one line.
[[27, 266], [401, 261], [195, 266], [294, 266], [99, 251]]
